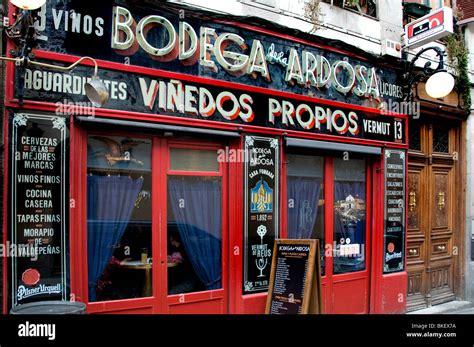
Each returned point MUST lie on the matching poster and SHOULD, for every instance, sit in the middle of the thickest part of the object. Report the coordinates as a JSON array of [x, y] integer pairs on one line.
[[394, 233], [261, 210], [38, 208]]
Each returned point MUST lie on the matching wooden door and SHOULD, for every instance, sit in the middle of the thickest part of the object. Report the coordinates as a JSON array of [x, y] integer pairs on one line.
[[194, 226], [349, 274], [340, 194], [166, 249], [434, 214]]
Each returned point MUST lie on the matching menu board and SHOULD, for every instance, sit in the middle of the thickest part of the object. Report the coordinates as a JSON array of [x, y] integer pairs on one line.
[[261, 182], [38, 208], [394, 210], [295, 278]]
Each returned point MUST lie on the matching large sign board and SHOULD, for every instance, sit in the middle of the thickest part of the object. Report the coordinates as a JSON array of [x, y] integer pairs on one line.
[[261, 185], [180, 98], [394, 250], [167, 37], [431, 27], [295, 282], [38, 208]]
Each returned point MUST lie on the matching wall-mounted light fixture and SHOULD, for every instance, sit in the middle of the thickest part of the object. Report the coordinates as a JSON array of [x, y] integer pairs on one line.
[[28, 4], [24, 34], [440, 82]]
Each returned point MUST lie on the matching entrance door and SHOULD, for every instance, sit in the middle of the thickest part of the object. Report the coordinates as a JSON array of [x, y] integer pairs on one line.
[[350, 273], [327, 199], [156, 231], [432, 215], [195, 229]]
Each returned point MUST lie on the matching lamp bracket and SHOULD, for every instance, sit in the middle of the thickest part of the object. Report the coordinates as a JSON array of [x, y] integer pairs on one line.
[[410, 78]]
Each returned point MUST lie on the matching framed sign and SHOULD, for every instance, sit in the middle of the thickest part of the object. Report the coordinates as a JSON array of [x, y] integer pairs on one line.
[[429, 28], [394, 210], [261, 184], [204, 101], [295, 280], [109, 32], [38, 208]]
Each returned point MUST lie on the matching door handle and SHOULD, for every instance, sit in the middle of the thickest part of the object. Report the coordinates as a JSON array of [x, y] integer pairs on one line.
[[441, 248], [441, 200], [412, 251], [412, 201]]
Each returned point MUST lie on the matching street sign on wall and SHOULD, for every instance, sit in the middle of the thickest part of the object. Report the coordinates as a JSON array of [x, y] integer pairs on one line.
[[433, 26]]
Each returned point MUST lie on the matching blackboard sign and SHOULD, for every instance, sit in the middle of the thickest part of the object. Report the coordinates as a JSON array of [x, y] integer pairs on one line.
[[38, 208], [295, 284], [261, 210], [394, 210]]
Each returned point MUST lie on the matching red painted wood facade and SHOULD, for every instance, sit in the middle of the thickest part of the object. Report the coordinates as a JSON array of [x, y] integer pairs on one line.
[[369, 291]]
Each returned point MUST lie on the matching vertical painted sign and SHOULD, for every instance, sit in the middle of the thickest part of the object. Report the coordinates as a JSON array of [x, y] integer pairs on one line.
[[39, 209], [394, 211], [261, 210]]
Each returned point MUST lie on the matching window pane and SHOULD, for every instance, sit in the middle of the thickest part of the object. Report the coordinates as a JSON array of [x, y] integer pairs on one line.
[[305, 193], [119, 218], [349, 215], [194, 234], [184, 159], [415, 136], [441, 138]]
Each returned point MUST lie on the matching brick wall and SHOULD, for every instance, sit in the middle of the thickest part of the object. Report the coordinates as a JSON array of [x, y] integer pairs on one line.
[[467, 7]]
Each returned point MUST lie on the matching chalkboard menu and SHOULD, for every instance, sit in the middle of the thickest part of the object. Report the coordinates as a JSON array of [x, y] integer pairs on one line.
[[38, 208], [295, 278], [261, 183], [394, 210]]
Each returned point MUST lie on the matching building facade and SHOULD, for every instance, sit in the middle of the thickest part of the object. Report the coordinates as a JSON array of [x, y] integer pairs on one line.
[[467, 25], [222, 133], [436, 184]]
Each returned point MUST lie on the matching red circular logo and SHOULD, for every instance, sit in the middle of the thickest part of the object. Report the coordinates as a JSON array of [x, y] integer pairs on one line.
[[31, 277], [390, 247]]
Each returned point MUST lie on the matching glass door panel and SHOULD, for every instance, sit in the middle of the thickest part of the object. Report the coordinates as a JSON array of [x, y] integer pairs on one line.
[[349, 215], [194, 221], [119, 246], [305, 193]]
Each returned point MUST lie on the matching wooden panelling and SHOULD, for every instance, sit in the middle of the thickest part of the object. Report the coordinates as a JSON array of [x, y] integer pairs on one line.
[[435, 216], [441, 200], [440, 278], [414, 283], [414, 195]]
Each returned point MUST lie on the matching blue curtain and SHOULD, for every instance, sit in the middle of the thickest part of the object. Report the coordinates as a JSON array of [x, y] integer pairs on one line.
[[199, 224], [303, 194], [110, 202], [354, 230]]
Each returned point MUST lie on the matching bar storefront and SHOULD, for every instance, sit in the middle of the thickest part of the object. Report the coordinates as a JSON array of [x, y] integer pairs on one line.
[[218, 137]]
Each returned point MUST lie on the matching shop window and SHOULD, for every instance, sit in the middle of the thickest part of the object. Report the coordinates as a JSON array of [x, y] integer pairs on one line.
[[119, 218], [436, 4], [194, 233], [349, 215], [366, 7], [440, 138], [185, 159], [305, 192]]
